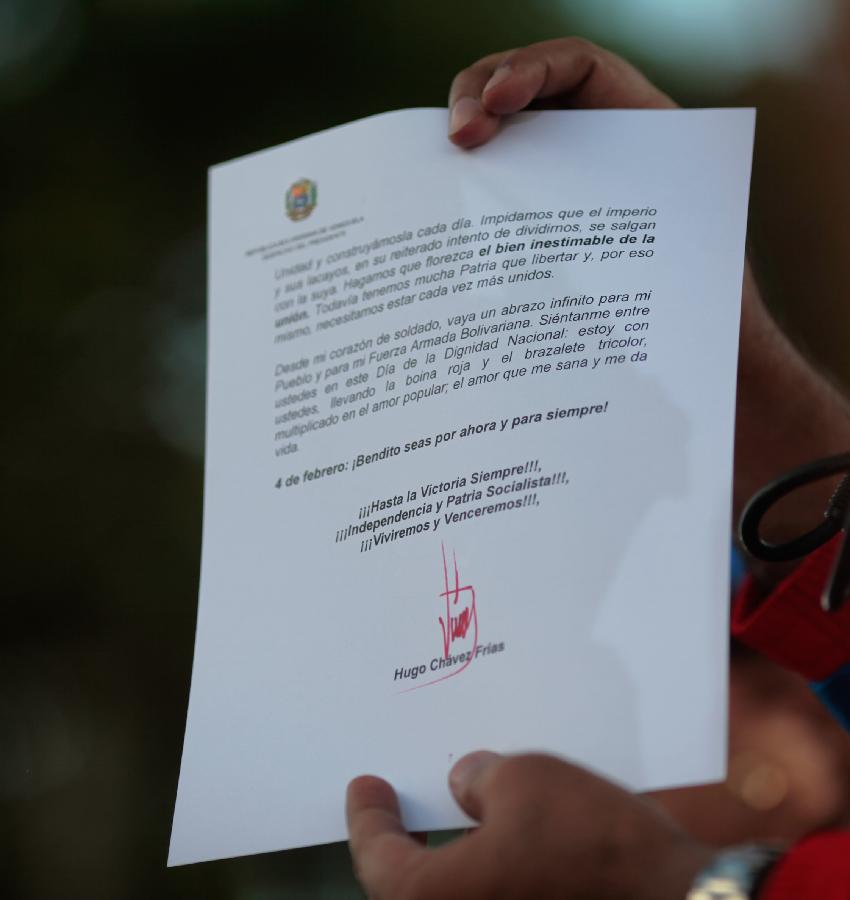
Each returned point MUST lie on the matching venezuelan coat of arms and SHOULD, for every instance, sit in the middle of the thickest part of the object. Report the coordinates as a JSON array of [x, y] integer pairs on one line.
[[301, 199]]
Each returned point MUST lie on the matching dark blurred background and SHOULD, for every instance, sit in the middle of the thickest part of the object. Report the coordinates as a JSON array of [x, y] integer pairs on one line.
[[110, 113]]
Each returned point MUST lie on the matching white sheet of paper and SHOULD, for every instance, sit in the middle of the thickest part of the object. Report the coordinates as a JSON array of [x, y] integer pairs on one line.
[[492, 390]]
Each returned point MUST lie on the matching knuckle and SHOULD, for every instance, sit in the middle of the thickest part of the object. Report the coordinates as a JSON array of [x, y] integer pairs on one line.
[[496, 59], [577, 45], [480, 65], [518, 57], [521, 774], [480, 69], [534, 778], [459, 79]]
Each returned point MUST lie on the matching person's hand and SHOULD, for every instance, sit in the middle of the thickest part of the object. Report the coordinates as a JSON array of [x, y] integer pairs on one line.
[[567, 72], [548, 830]]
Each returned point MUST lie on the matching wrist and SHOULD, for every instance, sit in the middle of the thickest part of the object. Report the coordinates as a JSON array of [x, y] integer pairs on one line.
[[674, 879]]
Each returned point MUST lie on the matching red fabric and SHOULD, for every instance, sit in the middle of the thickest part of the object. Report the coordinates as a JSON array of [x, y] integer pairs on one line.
[[789, 627], [817, 868]]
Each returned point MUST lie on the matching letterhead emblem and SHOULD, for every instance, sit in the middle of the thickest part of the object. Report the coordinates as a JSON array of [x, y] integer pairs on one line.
[[301, 199]]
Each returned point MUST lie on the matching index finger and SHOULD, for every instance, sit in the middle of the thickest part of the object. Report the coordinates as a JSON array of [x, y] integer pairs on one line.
[[469, 123], [383, 852]]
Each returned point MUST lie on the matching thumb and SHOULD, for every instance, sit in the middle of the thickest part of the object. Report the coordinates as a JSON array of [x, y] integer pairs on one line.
[[468, 780]]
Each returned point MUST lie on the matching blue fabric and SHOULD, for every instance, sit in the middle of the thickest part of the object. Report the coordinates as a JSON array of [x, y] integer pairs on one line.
[[835, 694], [738, 567]]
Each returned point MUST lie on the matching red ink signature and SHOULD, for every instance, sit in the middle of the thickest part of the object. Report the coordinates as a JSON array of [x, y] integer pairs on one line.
[[454, 627], [459, 620]]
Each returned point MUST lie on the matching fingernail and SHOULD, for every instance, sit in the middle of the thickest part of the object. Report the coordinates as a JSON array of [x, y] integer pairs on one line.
[[469, 767], [463, 112], [501, 73]]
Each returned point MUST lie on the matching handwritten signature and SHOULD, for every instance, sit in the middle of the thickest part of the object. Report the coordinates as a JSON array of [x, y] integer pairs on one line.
[[455, 627], [460, 619]]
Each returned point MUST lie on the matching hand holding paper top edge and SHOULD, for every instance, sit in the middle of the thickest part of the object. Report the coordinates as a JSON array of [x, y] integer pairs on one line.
[[563, 73]]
